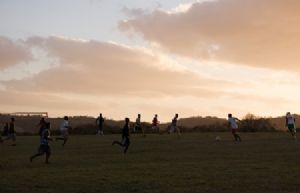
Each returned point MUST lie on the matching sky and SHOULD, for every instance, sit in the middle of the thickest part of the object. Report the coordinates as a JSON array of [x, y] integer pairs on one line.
[[124, 57]]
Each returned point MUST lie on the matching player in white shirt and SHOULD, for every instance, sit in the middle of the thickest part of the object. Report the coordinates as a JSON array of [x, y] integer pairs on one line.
[[232, 123], [64, 131], [290, 124], [138, 125]]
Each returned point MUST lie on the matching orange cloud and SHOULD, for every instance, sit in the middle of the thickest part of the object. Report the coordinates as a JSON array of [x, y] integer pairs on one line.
[[259, 33], [12, 53], [95, 67]]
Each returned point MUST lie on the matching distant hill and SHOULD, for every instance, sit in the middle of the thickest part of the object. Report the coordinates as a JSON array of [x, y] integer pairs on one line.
[[85, 124]]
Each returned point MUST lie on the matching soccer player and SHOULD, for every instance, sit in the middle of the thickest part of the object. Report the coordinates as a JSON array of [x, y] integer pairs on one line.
[[125, 136], [41, 125], [64, 130], [138, 125], [4, 132], [11, 134], [44, 144], [232, 123], [174, 125], [155, 123], [99, 123], [290, 124]]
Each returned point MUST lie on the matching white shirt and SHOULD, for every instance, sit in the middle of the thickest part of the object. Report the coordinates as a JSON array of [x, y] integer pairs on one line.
[[290, 119], [233, 124], [64, 126]]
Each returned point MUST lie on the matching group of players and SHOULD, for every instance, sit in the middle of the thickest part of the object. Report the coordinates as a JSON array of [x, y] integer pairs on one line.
[[44, 131]]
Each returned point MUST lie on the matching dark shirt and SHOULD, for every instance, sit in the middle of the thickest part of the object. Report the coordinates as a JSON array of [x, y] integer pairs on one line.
[[174, 122], [125, 131], [45, 137], [5, 130], [154, 121], [100, 121], [11, 128]]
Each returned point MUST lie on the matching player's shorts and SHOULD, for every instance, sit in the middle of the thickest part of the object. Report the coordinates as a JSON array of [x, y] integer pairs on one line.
[[126, 141], [291, 127], [234, 131], [173, 128], [100, 127], [44, 149]]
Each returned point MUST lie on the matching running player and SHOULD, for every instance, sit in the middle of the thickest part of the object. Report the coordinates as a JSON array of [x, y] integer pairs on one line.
[[290, 124], [11, 134], [4, 132], [138, 125], [44, 144], [174, 127], [41, 125], [232, 123], [125, 136], [155, 123], [64, 130]]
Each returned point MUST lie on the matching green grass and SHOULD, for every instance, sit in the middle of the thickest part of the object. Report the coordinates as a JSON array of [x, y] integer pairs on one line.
[[262, 163]]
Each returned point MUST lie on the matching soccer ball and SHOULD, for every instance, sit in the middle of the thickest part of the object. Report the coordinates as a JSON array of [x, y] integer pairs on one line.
[[218, 138]]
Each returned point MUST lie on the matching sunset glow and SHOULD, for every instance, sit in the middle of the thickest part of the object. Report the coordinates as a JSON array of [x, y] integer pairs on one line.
[[121, 58]]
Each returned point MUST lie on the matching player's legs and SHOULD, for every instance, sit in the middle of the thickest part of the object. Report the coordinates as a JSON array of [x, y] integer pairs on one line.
[[48, 154], [178, 131], [143, 132], [237, 137], [65, 140], [234, 133], [118, 143], [41, 151], [13, 137], [126, 144]]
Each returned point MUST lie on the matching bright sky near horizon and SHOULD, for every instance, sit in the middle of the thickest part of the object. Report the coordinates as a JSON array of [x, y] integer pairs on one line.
[[124, 57]]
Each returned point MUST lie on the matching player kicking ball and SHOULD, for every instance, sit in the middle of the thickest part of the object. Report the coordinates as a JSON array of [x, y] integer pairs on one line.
[[125, 137], [44, 144], [232, 123]]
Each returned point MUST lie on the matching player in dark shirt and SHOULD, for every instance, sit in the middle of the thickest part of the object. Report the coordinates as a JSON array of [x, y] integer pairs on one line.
[[44, 147], [174, 127], [41, 125], [125, 136], [11, 134], [99, 123], [4, 132]]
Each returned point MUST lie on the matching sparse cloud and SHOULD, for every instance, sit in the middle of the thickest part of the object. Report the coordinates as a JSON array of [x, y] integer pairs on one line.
[[12, 53], [259, 33]]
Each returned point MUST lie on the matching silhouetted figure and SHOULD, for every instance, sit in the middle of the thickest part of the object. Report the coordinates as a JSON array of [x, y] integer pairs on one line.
[[232, 123], [155, 123], [11, 134], [290, 124], [44, 147], [41, 125], [64, 131], [138, 125], [99, 123], [174, 127], [125, 136], [4, 132]]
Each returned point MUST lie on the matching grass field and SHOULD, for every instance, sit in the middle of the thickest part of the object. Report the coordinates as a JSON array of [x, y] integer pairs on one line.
[[262, 163]]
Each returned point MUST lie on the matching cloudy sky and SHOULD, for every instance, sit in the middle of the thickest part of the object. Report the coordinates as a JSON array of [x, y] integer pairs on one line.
[[123, 57]]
